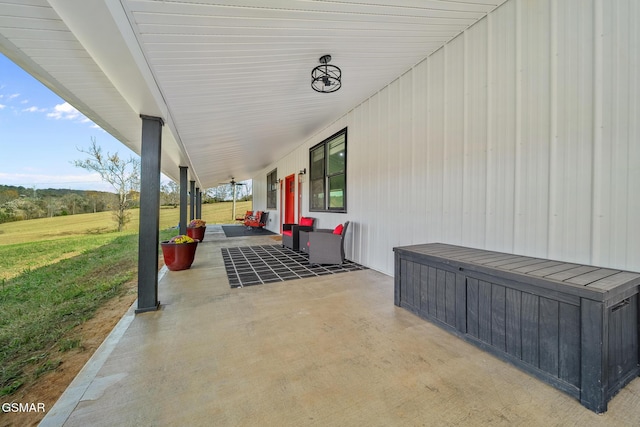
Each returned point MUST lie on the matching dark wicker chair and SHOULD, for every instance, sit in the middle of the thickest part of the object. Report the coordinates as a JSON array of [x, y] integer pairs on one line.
[[291, 232], [324, 246]]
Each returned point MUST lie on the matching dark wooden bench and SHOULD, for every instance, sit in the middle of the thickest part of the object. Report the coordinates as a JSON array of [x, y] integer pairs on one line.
[[573, 326]]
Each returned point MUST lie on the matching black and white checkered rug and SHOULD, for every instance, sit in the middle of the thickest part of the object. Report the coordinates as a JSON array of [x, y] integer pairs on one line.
[[257, 265]]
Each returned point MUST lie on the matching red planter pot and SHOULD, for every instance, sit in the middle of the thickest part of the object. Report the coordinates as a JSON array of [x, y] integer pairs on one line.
[[196, 232], [178, 256]]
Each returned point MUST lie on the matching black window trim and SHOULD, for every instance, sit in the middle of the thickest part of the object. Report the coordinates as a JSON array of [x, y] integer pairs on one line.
[[274, 191], [325, 143]]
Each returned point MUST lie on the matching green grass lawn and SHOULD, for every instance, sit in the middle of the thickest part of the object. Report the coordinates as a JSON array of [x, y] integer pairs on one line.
[[55, 273], [102, 222]]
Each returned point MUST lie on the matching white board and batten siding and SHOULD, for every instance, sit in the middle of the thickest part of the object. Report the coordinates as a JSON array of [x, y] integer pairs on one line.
[[520, 135]]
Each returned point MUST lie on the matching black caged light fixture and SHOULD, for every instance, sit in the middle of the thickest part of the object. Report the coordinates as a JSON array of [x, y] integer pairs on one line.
[[325, 78]]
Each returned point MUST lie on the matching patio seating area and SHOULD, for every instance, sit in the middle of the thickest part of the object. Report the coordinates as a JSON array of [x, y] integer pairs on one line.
[[329, 350]]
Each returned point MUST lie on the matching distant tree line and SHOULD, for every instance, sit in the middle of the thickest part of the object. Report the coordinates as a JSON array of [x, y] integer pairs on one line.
[[19, 203], [224, 193]]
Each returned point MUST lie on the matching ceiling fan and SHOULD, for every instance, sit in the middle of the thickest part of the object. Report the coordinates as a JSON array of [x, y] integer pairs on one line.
[[233, 184]]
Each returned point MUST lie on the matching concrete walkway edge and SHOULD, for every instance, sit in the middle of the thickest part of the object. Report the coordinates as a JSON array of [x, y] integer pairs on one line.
[[65, 405]]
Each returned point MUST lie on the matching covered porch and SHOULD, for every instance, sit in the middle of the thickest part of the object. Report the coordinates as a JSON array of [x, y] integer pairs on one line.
[[500, 125], [324, 351]]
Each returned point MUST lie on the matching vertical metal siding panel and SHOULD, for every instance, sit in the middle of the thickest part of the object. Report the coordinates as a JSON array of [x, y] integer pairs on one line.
[[603, 117], [418, 159], [352, 243], [632, 251], [260, 196], [376, 181], [475, 139], [615, 156], [406, 182], [502, 110], [388, 192], [356, 151], [358, 183], [453, 141], [571, 175], [369, 180], [395, 203], [435, 146], [534, 129]]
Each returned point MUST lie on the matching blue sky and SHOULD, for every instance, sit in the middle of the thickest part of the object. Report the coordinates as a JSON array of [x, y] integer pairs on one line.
[[40, 134]]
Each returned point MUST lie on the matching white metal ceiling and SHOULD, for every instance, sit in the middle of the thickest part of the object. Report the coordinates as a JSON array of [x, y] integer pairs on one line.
[[230, 78]]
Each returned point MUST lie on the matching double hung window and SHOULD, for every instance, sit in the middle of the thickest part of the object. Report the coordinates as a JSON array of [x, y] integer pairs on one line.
[[272, 189], [328, 174]]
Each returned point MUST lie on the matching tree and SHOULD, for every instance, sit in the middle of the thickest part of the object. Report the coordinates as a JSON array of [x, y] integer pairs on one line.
[[97, 201], [25, 208], [220, 193], [171, 194], [73, 203], [122, 175], [8, 195]]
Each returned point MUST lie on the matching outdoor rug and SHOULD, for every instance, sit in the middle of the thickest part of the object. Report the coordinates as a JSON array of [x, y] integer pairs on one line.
[[257, 265], [242, 231]]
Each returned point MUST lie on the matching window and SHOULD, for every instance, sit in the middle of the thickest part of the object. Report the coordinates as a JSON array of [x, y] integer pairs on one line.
[[272, 189], [328, 174]]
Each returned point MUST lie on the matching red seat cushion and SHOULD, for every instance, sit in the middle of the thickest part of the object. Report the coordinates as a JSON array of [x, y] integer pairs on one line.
[[306, 222], [288, 232], [338, 229]]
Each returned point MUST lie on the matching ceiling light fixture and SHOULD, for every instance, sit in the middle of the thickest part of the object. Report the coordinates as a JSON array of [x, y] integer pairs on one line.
[[325, 78]]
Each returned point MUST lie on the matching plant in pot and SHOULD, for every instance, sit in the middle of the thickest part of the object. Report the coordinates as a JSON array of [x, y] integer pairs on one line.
[[179, 252], [196, 229]]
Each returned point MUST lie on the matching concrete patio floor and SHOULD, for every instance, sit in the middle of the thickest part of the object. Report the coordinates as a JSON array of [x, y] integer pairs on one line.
[[328, 351]]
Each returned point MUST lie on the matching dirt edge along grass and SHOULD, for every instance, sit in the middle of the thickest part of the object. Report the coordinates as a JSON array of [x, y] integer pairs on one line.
[[41, 305]]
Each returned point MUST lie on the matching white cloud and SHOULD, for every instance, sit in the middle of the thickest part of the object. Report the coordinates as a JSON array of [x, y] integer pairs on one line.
[[2, 106], [34, 109], [12, 96], [66, 112]]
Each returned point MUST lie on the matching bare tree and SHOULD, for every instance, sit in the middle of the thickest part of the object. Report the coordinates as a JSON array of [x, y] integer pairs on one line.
[[122, 175], [220, 193]]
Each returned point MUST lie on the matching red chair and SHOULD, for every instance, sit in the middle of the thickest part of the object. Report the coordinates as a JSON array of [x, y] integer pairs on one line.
[[244, 218], [259, 220]]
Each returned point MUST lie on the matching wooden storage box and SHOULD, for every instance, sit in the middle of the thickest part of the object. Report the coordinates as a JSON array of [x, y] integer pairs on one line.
[[573, 326]]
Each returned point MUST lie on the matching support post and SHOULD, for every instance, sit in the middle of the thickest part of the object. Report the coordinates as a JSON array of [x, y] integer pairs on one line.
[[192, 198], [183, 200], [149, 228], [198, 203]]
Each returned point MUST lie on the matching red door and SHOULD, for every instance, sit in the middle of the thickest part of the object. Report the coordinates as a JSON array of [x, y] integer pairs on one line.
[[289, 199]]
